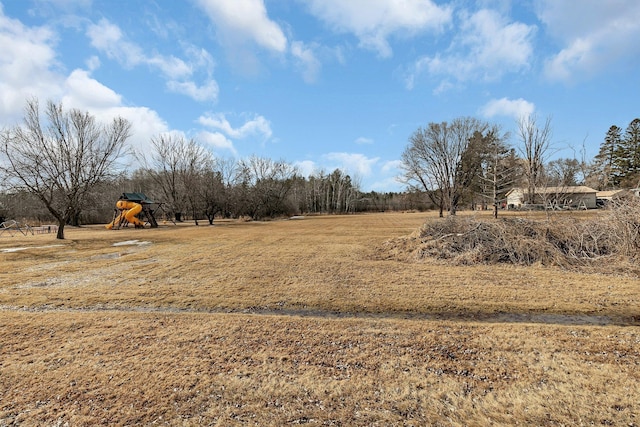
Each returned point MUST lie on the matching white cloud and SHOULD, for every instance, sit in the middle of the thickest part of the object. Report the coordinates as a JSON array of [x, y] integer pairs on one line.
[[207, 92], [306, 167], [242, 21], [374, 175], [486, 47], [170, 66], [374, 21], [93, 63], [515, 108], [27, 58], [565, 64], [386, 177], [146, 123], [306, 61], [393, 166], [365, 172], [256, 126], [108, 38], [243, 27], [353, 162], [444, 86], [217, 141], [567, 19], [84, 92], [597, 35], [87, 94], [200, 58], [386, 184], [28, 68], [362, 140]]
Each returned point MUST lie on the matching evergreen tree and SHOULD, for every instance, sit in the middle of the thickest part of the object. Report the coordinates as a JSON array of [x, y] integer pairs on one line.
[[499, 170], [627, 165], [632, 141], [607, 161]]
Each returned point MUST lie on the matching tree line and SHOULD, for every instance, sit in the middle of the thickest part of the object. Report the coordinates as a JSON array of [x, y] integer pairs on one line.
[[65, 166], [469, 162], [192, 184]]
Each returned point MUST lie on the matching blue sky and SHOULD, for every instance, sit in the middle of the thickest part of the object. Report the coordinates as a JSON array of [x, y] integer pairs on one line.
[[326, 84]]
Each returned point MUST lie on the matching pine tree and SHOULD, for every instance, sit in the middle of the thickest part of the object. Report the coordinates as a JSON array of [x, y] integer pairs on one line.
[[629, 155], [632, 141], [608, 159]]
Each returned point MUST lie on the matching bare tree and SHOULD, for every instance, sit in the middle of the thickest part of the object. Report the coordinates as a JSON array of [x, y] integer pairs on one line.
[[444, 158], [535, 149], [423, 167], [213, 194], [60, 158], [228, 172], [564, 172], [265, 185], [176, 165], [197, 163]]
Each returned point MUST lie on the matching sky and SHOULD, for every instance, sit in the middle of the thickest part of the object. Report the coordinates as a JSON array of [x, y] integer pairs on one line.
[[326, 84]]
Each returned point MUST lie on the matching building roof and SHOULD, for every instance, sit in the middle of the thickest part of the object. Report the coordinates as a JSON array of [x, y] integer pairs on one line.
[[568, 189], [610, 193]]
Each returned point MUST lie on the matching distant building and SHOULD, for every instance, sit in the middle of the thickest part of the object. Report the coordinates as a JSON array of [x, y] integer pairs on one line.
[[567, 197], [605, 197]]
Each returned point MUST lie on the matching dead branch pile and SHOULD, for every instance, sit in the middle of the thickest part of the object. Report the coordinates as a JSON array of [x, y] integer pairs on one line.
[[610, 238]]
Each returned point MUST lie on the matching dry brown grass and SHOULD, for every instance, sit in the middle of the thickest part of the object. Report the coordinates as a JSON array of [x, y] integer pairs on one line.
[[291, 322]]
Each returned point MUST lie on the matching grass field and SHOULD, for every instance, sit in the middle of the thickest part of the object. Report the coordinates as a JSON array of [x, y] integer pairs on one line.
[[304, 321]]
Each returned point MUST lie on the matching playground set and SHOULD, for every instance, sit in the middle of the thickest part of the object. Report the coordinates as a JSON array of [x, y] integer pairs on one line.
[[136, 209]]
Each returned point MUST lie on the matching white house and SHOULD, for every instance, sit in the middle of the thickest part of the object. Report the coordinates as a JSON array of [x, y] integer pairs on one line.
[[578, 196]]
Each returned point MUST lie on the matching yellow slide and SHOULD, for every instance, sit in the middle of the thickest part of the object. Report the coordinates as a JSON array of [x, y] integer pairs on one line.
[[114, 222], [128, 211]]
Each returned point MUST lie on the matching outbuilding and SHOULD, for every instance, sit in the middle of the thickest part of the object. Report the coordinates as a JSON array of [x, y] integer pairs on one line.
[[564, 197], [603, 198]]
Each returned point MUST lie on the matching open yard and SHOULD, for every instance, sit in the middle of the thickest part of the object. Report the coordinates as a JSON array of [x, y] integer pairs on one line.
[[304, 321]]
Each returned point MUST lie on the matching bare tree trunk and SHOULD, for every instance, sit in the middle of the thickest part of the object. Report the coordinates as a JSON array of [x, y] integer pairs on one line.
[[60, 232]]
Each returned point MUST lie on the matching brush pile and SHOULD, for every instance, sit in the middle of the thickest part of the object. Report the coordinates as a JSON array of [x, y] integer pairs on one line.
[[607, 239]]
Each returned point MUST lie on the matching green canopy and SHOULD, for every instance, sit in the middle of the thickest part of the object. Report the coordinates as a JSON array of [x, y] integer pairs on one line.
[[136, 197]]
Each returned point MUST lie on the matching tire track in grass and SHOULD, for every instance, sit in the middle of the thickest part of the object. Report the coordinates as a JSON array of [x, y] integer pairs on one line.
[[578, 319]]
